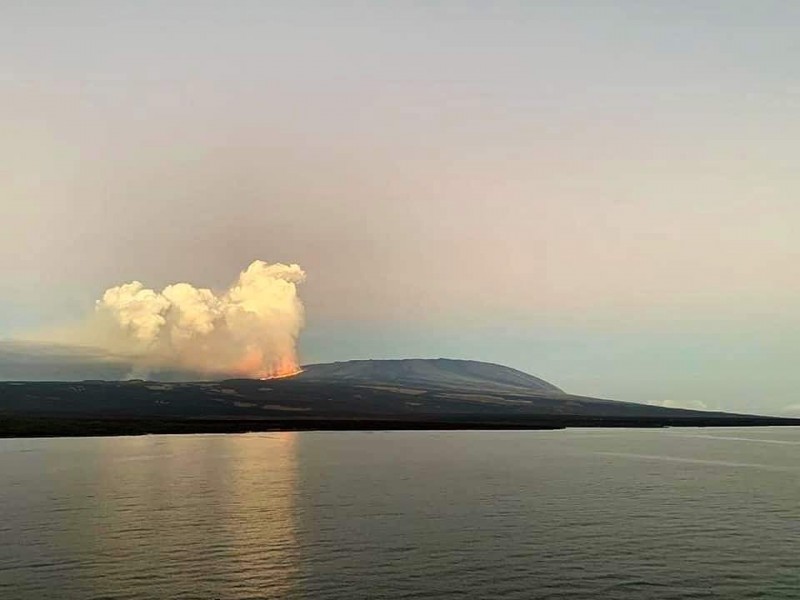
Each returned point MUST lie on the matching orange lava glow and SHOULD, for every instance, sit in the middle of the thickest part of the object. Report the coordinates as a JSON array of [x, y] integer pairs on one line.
[[254, 365], [296, 371]]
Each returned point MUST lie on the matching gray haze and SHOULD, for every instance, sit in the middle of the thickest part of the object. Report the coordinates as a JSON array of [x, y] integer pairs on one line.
[[601, 193]]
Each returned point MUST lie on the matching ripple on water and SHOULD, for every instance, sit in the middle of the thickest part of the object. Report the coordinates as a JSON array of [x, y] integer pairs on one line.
[[602, 514]]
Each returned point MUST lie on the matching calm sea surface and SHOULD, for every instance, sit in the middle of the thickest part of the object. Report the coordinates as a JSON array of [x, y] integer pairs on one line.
[[676, 513]]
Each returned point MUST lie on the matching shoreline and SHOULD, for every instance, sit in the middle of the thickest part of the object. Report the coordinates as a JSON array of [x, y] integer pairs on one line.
[[89, 426]]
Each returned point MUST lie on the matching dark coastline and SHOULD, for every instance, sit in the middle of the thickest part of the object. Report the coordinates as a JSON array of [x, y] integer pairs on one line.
[[398, 395], [32, 427]]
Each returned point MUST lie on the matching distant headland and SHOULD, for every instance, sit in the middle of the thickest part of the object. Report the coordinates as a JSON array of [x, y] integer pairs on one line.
[[352, 395]]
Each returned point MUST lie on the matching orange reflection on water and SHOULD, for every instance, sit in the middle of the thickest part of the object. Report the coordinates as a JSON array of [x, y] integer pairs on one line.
[[203, 515]]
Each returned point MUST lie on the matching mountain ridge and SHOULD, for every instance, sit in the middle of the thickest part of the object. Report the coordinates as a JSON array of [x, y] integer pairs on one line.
[[440, 373], [350, 395]]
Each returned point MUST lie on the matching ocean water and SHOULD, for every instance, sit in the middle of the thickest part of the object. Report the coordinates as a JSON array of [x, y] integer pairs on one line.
[[673, 513]]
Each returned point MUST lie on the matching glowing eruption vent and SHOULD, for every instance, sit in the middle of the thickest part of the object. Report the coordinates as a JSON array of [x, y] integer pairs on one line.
[[250, 330]]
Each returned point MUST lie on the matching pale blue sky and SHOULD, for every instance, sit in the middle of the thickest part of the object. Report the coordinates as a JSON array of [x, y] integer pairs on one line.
[[602, 193]]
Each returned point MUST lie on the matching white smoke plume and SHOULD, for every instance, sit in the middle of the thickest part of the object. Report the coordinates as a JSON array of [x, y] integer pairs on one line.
[[250, 330]]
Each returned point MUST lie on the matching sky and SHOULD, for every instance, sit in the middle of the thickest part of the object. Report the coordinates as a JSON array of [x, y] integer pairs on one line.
[[601, 193]]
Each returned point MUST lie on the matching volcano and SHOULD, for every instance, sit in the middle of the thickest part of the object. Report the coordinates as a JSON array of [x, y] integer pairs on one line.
[[438, 373], [359, 394]]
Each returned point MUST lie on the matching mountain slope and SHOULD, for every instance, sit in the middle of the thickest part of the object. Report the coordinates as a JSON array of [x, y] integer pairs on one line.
[[438, 373], [394, 394]]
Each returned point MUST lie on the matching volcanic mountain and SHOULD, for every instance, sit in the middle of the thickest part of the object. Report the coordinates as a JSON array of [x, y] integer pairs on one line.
[[438, 373], [360, 394]]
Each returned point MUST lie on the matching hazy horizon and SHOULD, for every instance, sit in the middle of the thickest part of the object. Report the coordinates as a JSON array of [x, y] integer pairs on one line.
[[602, 194]]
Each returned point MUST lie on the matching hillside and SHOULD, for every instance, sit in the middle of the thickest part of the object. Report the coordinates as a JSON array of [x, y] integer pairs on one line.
[[438, 373], [393, 394]]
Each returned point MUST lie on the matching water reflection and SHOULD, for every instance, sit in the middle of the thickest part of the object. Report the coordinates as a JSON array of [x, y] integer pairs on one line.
[[174, 516], [567, 514], [261, 514]]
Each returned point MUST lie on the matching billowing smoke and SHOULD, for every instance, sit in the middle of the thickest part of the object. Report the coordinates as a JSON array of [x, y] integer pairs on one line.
[[250, 330]]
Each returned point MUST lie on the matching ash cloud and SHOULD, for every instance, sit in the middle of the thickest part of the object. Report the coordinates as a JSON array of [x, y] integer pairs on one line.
[[180, 332], [39, 361]]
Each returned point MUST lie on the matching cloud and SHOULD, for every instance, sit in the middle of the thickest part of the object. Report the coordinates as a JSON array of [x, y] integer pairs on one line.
[[249, 330], [790, 410], [686, 404]]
